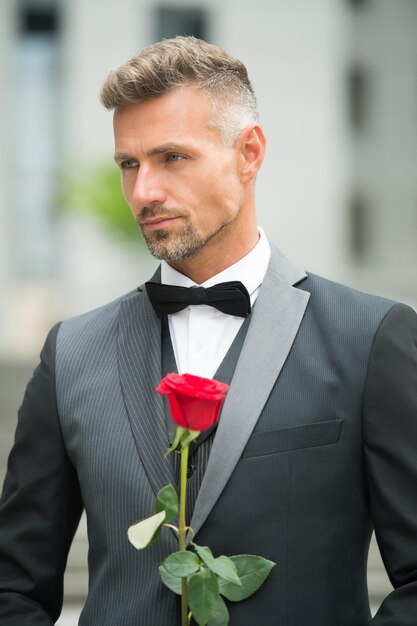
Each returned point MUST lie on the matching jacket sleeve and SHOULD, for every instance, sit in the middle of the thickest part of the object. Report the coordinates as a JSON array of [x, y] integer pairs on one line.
[[390, 447], [40, 506]]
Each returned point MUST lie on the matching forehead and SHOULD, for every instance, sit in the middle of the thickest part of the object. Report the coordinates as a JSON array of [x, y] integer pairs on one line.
[[180, 113]]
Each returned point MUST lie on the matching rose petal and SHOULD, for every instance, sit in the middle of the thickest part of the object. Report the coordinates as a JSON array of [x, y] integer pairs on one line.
[[195, 402]]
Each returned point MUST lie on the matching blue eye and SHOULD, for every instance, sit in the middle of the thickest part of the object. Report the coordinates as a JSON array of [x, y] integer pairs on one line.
[[128, 164], [175, 157]]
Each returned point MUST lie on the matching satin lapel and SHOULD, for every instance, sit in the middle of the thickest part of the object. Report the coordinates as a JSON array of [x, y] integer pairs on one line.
[[276, 319], [140, 373]]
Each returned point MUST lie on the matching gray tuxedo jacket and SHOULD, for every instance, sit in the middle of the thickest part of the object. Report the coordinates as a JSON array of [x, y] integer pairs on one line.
[[317, 444]]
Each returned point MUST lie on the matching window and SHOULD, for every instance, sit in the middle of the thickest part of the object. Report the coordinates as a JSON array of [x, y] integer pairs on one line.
[[357, 5], [34, 142], [358, 97], [38, 19], [171, 22]]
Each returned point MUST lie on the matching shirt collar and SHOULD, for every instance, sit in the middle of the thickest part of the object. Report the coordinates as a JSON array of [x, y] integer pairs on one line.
[[250, 270]]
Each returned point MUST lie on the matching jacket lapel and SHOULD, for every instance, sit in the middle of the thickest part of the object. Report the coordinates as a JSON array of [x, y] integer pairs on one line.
[[276, 319], [139, 354]]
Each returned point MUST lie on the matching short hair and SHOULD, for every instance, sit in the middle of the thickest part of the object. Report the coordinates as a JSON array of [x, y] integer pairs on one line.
[[183, 61]]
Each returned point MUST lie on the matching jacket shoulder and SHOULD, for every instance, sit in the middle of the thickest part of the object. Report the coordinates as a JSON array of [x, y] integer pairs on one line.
[[335, 303], [99, 325], [326, 291]]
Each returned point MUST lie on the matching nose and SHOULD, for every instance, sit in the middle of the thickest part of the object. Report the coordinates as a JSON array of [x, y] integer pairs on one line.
[[148, 188]]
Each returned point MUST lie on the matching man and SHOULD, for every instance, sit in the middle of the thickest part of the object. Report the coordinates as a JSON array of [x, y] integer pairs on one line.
[[317, 439]]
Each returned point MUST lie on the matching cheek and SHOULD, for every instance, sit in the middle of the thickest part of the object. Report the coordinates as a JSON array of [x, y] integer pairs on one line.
[[219, 198], [207, 191], [226, 193]]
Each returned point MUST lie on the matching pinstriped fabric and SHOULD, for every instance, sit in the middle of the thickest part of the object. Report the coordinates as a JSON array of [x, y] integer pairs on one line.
[[140, 373], [198, 464], [124, 586]]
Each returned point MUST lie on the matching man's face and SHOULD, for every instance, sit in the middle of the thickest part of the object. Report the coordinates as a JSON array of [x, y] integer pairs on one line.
[[180, 180]]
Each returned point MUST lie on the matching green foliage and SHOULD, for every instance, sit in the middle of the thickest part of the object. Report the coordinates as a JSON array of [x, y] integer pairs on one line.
[[172, 582], [181, 563], [222, 566], [252, 571], [220, 615], [167, 500], [96, 190], [145, 532], [208, 578], [203, 594]]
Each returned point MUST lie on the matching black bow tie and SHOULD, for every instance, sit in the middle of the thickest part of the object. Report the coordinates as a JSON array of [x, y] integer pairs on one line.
[[231, 298]]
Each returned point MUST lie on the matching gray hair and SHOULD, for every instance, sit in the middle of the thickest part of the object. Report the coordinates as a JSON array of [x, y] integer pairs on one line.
[[183, 61]]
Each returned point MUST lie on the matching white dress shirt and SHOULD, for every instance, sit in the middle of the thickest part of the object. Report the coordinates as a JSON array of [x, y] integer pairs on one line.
[[200, 334]]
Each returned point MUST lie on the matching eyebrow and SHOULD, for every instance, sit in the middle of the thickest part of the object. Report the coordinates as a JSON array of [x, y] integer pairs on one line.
[[121, 156], [169, 147]]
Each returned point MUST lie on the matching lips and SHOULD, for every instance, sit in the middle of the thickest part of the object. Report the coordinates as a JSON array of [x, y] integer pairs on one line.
[[158, 223]]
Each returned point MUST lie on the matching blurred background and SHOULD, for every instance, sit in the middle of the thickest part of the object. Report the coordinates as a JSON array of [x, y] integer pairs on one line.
[[337, 87]]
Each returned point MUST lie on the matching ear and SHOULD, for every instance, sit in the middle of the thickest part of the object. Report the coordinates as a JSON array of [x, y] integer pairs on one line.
[[252, 145]]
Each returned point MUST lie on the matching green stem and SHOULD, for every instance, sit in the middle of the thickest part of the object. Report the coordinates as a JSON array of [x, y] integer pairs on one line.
[[182, 530]]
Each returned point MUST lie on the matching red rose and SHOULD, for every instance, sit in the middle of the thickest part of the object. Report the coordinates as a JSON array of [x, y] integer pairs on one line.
[[195, 402]]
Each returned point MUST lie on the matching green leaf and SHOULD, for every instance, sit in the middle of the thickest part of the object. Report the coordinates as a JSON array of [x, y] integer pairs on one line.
[[172, 582], [182, 563], [167, 500], [252, 571], [220, 615], [142, 533], [222, 566], [203, 594]]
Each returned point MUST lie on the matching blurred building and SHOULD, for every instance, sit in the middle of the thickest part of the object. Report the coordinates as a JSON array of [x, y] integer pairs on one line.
[[337, 87]]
